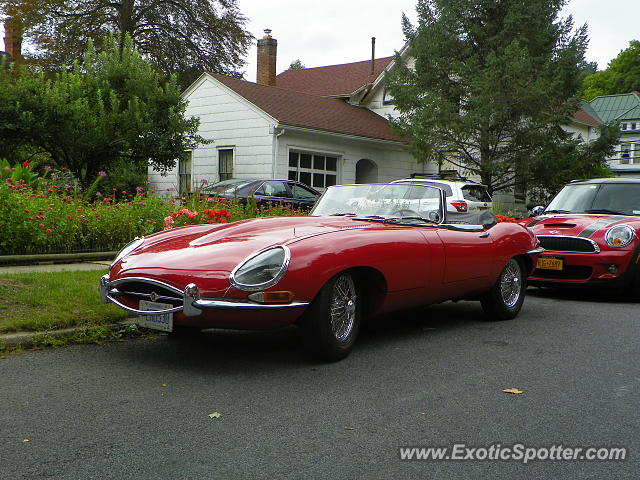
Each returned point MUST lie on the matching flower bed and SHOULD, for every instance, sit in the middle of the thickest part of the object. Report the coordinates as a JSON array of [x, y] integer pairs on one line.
[[45, 217]]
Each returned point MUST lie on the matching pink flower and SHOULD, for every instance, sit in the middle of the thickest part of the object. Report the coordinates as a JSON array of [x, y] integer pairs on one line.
[[102, 174], [48, 230]]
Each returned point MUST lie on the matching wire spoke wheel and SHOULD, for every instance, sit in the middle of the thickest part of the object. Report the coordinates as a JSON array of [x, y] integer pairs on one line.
[[343, 307], [510, 283], [504, 300], [331, 324]]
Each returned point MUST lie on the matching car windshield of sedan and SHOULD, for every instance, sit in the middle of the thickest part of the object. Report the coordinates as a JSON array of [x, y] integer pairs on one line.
[[611, 198], [382, 201], [227, 186]]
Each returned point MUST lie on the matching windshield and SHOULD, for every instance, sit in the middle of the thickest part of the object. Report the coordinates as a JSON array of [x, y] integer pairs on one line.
[[227, 186], [381, 200], [622, 198]]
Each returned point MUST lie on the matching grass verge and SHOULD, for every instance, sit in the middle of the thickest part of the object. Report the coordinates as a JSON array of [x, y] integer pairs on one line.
[[41, 301]]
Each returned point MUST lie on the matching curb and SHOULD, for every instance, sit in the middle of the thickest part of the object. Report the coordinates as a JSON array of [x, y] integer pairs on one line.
[[56, 258], [29, 339]]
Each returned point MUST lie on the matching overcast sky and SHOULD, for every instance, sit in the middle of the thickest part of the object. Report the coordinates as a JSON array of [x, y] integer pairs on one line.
[[330, 32]]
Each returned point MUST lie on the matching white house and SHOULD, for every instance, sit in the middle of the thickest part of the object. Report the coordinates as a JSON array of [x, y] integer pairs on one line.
[[322, 126]]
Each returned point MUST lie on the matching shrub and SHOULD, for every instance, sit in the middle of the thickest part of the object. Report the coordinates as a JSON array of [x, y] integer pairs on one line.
[[56, 217]]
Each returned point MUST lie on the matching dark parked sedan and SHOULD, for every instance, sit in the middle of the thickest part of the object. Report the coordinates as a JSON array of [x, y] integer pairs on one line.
[[288, 192]]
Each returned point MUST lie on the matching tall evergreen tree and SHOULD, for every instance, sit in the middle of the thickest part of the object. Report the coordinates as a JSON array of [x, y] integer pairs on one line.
[[180, 36], [492, 84]]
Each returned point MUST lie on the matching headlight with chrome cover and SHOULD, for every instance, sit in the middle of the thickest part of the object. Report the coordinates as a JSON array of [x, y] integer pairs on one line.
[[619, 236], [261, 270], [127, 249]]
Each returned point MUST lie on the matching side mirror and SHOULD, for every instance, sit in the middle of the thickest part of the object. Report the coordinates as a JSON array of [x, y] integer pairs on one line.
[[535, 211]]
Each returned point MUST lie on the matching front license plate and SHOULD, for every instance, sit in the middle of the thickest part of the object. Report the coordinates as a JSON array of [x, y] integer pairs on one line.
[[158, 321], [550, 263]]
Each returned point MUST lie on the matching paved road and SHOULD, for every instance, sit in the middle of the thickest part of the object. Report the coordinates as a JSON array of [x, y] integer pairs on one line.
[[140, 409]]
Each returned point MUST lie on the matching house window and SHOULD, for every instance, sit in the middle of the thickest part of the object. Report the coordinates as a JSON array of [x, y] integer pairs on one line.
[[635, 153], [633, 126], [625, 149], [225, 163], [387, 99], [623, 126], [184, 174], [313, 169]]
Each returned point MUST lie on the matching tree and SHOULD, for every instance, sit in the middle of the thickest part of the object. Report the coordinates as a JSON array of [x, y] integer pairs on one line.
[[559, 163], [621, 76], [180, 36], [114, 107], [492, 84], [296, 65]]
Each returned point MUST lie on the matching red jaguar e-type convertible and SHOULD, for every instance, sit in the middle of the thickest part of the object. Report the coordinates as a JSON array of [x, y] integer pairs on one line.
[[364, 250]]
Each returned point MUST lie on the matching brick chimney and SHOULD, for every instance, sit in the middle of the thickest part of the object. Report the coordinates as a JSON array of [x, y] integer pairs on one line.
[[267, 48]]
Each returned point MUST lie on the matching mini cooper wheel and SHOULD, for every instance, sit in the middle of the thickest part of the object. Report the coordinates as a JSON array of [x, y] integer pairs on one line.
[[505, 299], [331, 324]]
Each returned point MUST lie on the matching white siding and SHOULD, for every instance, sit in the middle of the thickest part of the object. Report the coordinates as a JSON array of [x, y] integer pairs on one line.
[[376, 103], [231, 123]]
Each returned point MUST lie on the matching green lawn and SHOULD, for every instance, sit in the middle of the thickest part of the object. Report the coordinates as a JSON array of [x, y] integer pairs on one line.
[[41, 301]]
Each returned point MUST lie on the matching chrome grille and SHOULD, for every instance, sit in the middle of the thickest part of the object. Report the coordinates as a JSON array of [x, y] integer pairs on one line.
[[147, 290], [555, 243]]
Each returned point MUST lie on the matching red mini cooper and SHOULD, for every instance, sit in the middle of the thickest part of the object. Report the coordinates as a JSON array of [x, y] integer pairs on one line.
[[590, 235]]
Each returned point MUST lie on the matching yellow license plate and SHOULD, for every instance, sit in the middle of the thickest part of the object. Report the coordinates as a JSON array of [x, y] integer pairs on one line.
[[549, 263]]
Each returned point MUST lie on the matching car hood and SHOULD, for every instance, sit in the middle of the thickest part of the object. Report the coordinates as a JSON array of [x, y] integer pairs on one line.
[[215, 250], [576, 225]]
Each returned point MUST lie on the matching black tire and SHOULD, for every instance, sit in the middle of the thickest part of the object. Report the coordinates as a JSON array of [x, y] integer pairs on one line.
[[331, 324], [505, 299]]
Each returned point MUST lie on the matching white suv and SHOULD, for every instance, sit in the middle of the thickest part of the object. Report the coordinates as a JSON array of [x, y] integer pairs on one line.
[[463, 195]]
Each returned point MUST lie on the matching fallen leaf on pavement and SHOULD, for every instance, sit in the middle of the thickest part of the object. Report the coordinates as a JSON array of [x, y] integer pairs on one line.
[[513, 390], [26, 440], [215, 415], [348, 428]]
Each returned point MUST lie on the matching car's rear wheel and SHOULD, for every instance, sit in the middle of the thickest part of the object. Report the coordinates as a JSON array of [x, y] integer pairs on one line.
[[332, 322], [505, 299]]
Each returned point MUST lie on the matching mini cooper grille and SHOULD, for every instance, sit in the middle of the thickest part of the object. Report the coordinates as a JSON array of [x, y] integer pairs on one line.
[[567, 244], [146, 291], [569, 272]]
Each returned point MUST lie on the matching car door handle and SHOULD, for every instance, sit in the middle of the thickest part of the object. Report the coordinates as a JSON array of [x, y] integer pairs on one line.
[[484, 235]]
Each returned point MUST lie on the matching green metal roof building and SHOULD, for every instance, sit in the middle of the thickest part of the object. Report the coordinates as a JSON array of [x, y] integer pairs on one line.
[[625, 109]]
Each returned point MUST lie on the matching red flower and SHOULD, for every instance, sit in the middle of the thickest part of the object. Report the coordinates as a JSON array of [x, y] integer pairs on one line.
[[25, 164]]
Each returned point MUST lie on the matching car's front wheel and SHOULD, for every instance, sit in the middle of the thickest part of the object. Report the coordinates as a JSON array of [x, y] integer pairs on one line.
[[505, 299], [331, 324]]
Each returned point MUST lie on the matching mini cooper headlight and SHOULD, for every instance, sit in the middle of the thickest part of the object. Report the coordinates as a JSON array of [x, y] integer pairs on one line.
[[619, 236], [262, 270], [128, 248]]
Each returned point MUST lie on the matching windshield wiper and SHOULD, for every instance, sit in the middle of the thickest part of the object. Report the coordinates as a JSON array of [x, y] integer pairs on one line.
[[401, 219], [556, 211], [341, 214], [604, 210]]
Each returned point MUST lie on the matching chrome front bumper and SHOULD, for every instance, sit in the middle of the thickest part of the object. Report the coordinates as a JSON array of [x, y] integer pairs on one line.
[[192, 303]]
